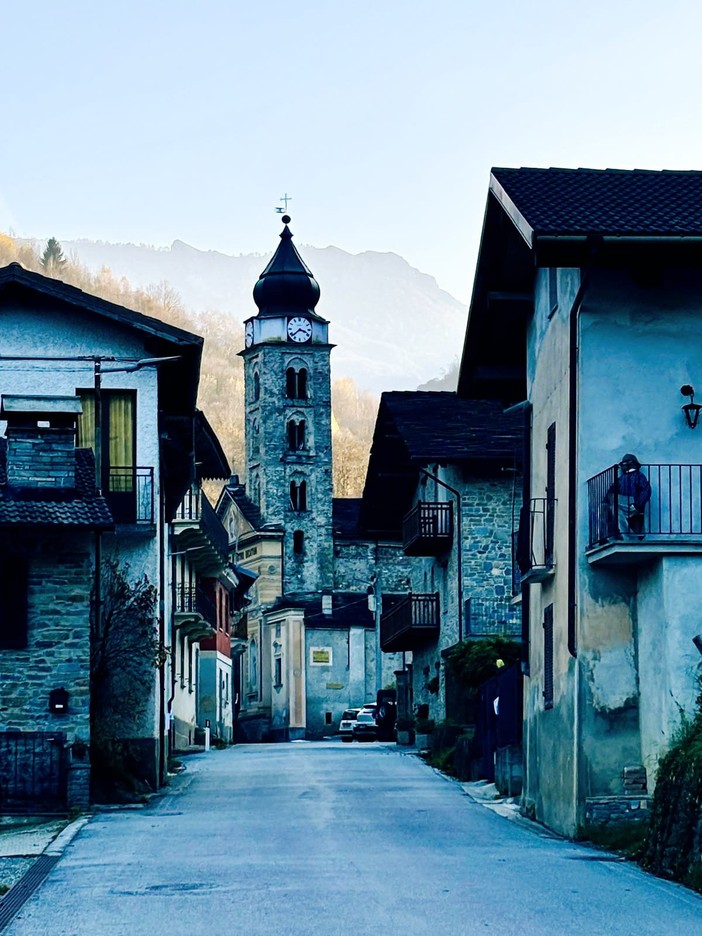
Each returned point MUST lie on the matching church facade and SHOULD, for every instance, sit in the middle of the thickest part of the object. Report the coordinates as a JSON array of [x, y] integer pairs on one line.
[[311, 647]]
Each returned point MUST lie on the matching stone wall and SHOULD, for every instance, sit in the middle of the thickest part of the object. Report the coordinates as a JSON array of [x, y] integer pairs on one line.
[[57, 654]]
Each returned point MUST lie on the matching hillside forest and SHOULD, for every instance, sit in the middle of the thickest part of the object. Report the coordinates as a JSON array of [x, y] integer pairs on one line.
[[221, 395]]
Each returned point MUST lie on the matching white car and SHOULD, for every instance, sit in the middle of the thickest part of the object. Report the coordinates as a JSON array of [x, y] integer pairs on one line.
[[348, 723]]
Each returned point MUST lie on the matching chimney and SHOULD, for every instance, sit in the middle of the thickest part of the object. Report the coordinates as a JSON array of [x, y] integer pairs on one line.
[[41, 445]]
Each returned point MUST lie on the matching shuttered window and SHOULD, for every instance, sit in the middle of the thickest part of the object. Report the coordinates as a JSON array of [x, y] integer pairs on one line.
[[548, 657], [550, 492]]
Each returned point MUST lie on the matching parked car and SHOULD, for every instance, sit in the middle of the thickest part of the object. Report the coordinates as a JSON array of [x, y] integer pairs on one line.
[[348, 723], [365, 728]]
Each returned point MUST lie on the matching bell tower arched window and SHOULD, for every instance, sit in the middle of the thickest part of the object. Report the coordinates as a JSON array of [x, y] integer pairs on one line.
[[298, 495], [298, 542], [296, 383], [256, 387], [296, 435]]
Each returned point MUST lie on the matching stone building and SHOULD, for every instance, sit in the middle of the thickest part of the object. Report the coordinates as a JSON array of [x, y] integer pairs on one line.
[[585, 313], [311, 639], [51, 519], [444, 483]]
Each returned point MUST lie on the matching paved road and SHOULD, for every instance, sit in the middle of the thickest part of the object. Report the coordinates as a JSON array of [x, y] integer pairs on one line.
[[330, 839]]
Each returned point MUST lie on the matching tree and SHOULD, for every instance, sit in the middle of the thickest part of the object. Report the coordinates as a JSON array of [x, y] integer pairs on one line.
[[125, 654], [53, 259]]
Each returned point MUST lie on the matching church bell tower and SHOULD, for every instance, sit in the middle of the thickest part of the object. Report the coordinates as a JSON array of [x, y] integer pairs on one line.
[[288, 417]]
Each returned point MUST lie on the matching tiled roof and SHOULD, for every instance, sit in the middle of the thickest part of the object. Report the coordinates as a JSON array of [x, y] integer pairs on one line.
[[347, 608], [250, 511], [616, 202], [440, 425], [80, 507]]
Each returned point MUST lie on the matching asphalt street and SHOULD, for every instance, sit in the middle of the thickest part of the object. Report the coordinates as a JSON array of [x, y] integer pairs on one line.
[[320, 839]]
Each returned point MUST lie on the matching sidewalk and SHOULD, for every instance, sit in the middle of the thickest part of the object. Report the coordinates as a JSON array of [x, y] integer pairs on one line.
[[24, 838]]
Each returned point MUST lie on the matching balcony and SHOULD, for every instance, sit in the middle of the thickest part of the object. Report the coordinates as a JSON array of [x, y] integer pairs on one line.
[[195, 611], [669, 523], [533, 544], [427, 530], [199, 531], [486, 617], [130, 494], [410, 623]]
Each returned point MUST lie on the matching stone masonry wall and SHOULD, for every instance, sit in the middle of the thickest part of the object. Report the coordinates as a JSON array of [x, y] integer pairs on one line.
[[58, 639]]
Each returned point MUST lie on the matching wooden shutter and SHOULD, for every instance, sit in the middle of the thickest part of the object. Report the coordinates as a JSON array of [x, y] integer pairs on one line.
[[548, 657]]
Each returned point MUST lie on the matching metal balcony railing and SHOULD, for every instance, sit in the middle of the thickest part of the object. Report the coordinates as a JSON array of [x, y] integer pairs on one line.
[[130, 494], [427, 530], [532, 546], [410, 623], [672, 513], [193, 599], [196, 509], [488, 616]]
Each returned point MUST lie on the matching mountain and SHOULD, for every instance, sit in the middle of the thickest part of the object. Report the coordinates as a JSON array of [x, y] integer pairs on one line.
[[392, 325]]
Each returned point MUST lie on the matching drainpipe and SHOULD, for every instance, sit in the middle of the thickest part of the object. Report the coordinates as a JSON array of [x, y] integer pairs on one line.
[[572, 558], [459, 534]]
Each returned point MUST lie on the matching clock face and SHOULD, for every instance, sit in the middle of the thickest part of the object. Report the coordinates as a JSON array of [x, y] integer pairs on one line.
[[299, 329], [248, 334]]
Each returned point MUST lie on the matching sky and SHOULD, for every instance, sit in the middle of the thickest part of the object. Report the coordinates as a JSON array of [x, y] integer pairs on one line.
[[151, 121]]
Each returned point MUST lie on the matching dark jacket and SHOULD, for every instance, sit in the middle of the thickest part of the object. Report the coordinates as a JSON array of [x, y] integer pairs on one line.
[[634, 486]]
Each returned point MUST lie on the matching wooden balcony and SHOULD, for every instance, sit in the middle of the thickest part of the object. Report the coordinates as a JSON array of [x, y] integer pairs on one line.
[[410, 623], [427, 530]]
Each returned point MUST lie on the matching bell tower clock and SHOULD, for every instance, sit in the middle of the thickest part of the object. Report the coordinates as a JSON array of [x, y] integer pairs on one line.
[[288, 416]]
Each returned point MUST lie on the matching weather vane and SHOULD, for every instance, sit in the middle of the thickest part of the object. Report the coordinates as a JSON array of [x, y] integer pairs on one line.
[[286, 198]]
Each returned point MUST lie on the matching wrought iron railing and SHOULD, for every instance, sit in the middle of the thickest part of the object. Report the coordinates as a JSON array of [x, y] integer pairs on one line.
[[196, 508], [533, 543], [488, 616], [32, 771], [130, 494], [672, 510], [428, 528], [193, 599], [411, 622]]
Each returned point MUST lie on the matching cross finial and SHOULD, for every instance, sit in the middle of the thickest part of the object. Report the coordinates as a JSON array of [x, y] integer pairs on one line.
[[285, 199]]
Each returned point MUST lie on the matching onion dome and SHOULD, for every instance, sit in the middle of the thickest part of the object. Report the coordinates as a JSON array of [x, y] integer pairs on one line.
[[286, 286]]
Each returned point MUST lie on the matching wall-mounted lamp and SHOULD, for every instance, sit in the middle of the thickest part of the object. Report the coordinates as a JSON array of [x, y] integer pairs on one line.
[[691, 409]]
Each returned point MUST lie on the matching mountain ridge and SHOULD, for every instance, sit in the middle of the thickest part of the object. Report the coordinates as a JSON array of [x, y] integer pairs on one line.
[[393, 326]]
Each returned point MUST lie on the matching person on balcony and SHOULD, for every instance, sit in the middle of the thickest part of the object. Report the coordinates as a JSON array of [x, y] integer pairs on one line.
[[633, 492]]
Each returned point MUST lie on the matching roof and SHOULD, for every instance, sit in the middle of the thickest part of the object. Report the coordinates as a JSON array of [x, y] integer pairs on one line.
[[237, 492], [346, 517], [606, 202], [81, 507], [348, 608], [417, 428], [287, 286], [180, 378], [568, 218], [210, 458]]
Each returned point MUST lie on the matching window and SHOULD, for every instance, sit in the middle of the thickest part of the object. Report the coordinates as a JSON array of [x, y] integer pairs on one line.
[[296, 435], [13, 602], [255, 439], [296, 383], [278, 677], [117, 446], [548, 657], [256, 387], [298, 495], [253, 665], [550, 493], [298, 542]]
